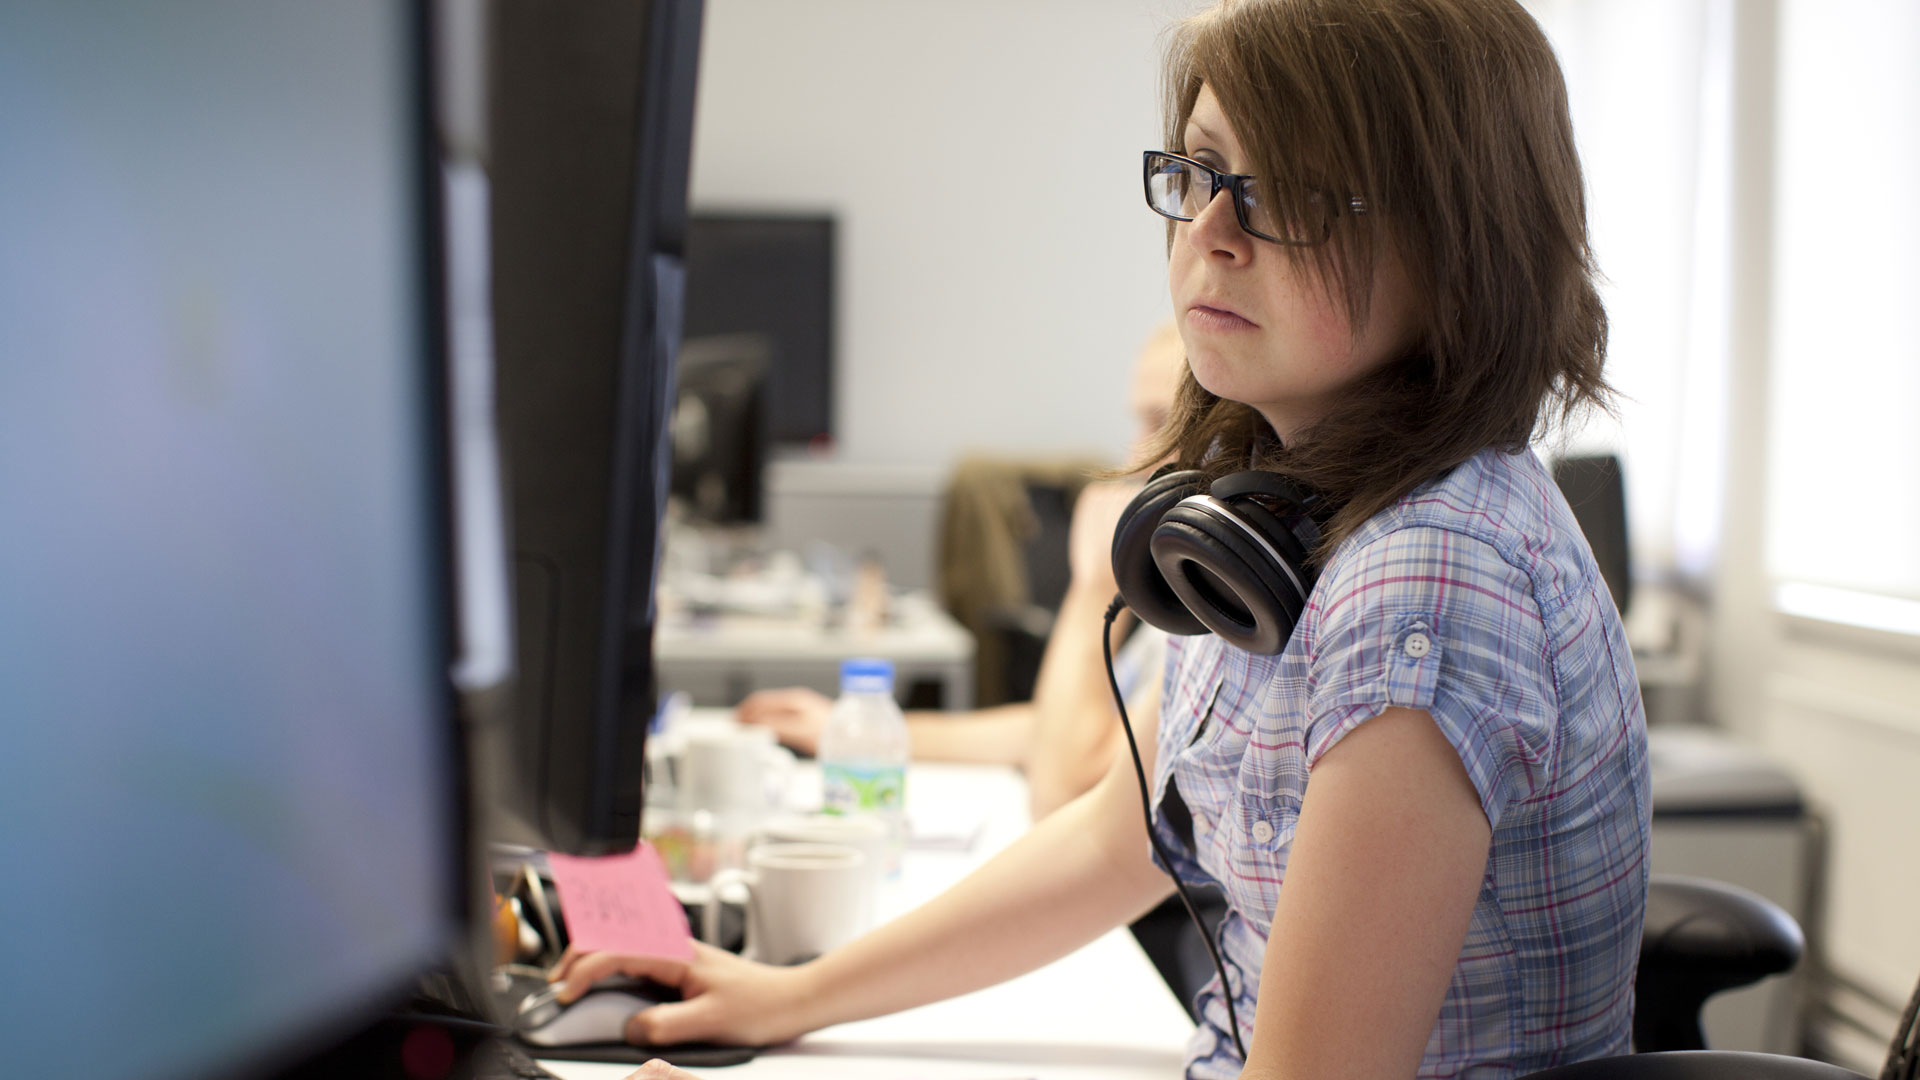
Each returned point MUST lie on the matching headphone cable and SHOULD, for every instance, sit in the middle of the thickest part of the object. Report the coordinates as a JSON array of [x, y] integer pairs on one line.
[[1146, 808]]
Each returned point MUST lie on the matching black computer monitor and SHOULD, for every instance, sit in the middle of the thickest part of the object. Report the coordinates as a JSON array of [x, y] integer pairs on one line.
[[591, 121], [719, 424], [771, 274], [230, 793]]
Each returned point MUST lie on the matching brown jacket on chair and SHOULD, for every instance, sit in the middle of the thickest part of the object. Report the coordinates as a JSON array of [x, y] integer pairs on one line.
[[986, 524]]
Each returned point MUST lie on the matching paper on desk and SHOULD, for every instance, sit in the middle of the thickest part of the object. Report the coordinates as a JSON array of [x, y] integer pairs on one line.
[[945, 828], [621, 903]]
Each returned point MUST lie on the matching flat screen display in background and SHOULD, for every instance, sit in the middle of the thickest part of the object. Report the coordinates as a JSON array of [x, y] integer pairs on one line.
[[226, 793], [771, 274]]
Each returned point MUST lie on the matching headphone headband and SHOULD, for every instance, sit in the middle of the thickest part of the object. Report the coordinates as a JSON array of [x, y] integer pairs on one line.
[[1260, 482]]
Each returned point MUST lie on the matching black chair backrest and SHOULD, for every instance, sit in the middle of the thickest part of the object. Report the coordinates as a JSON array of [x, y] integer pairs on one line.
[[1697, 1065], [1598, 497], [1048, 569]]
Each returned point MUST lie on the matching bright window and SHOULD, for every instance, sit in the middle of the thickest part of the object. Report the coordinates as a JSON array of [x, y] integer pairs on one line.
[[1844, 456]]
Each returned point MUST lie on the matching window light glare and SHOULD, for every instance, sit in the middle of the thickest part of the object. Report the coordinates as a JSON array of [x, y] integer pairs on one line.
[[1872, 611]]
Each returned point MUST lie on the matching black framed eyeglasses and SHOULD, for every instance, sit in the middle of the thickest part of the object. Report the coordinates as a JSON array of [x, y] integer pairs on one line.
[[1180, 187]]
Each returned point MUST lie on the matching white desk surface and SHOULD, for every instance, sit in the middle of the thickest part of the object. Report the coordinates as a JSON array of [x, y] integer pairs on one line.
[[1101, 1012], [921, 632]]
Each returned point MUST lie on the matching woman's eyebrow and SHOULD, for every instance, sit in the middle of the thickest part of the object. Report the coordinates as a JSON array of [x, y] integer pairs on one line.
[[1202, 129]]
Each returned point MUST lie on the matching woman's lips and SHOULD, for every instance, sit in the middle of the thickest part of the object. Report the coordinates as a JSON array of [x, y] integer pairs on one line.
[[1220, 320]]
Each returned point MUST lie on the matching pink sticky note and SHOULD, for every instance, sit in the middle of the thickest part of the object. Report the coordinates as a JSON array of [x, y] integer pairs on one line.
[[621, 903]]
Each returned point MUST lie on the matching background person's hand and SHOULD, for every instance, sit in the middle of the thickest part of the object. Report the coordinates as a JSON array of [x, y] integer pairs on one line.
[[728, 1000], [797, 715]]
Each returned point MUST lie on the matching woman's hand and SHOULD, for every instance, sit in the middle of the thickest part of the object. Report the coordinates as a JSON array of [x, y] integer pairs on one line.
[[660, 1070], [727, 1000], [796, 715]]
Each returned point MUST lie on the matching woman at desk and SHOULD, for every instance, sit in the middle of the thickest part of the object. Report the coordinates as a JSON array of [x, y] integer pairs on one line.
[[1379, 264]]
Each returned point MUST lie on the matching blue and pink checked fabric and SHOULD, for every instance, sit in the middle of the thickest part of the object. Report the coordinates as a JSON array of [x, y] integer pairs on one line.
[[1476, 599]]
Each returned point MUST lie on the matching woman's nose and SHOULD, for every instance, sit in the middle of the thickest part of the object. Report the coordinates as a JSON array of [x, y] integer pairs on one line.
[[1216, 230]]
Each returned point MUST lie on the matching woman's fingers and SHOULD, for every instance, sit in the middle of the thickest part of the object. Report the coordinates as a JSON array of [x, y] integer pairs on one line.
[[765, 706], [660, 1070], [563, 965], [591, 968], [796, 715], [667, 1024], [768, 706]]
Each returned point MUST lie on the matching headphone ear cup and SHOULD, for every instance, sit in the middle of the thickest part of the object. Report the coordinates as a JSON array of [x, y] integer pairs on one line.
[[1225, 579], [1135, 571]]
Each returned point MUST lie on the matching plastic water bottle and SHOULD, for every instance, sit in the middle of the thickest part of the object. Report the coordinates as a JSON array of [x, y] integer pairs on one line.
[[863, 752]]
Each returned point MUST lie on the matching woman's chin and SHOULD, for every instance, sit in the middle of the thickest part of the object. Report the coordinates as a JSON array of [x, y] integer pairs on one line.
[[1222, 379]]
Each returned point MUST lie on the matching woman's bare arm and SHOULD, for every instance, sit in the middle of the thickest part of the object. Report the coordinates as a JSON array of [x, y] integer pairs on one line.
[[1071, 878], [1385, 868], [1074, 876]]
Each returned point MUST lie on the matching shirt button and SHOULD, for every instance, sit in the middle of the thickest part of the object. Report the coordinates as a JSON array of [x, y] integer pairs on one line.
[[1417, 645], [1262, 832]]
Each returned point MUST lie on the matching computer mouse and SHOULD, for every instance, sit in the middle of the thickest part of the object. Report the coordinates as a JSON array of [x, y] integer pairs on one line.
[[599, 1016]]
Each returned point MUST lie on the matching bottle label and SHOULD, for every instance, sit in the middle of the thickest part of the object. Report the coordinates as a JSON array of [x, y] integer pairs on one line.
[[853, 788]]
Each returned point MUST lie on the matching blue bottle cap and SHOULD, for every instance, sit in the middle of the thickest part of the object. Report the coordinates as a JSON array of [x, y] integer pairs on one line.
[[866, 675]]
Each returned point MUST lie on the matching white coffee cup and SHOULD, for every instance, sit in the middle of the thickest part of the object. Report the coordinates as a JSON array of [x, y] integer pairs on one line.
[[862, 831], [732, 769], [802, 900]]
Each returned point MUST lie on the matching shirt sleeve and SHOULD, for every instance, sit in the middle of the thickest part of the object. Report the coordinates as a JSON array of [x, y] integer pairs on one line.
[[1426, 618]]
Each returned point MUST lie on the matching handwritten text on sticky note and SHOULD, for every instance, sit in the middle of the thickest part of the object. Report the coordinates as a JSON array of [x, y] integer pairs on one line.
[[621, 903]]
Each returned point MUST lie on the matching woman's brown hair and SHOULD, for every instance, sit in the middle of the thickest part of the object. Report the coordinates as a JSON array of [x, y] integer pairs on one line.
[[1448, 118]]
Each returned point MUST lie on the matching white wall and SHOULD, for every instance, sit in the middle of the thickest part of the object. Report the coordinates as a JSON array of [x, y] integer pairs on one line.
[[998, 267]]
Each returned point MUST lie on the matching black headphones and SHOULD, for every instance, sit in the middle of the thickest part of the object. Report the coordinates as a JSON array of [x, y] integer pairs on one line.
[[1193, 557]]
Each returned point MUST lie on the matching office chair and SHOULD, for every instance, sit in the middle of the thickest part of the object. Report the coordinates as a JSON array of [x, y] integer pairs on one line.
[[1698, 1065], [1020, 630], [1597, 495], [1701, 937], [1003, 563]]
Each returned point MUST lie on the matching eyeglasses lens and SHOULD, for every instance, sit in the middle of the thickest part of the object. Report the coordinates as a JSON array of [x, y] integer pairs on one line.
[[1260, 217], [1176, 189], [1181, 190]]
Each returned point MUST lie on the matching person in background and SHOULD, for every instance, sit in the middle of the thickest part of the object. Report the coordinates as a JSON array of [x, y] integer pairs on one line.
[[1065, 736]]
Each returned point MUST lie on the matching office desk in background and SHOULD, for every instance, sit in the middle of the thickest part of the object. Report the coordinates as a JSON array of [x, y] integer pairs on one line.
[[720, 658], [1101, 1012]]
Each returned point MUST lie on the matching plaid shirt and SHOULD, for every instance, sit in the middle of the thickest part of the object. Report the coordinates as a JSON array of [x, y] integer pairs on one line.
[[1476, 599]]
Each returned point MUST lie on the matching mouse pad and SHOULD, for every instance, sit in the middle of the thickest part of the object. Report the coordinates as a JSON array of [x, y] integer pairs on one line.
[[692, 1055]]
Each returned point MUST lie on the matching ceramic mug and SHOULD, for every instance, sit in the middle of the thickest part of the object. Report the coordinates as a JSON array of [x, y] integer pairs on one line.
[[802, 900], [863, 831], [731, 769]]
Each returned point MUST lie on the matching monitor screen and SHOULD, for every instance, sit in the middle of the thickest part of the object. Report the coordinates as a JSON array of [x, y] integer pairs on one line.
[[227, 798], [771, 275], [719, 420]]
